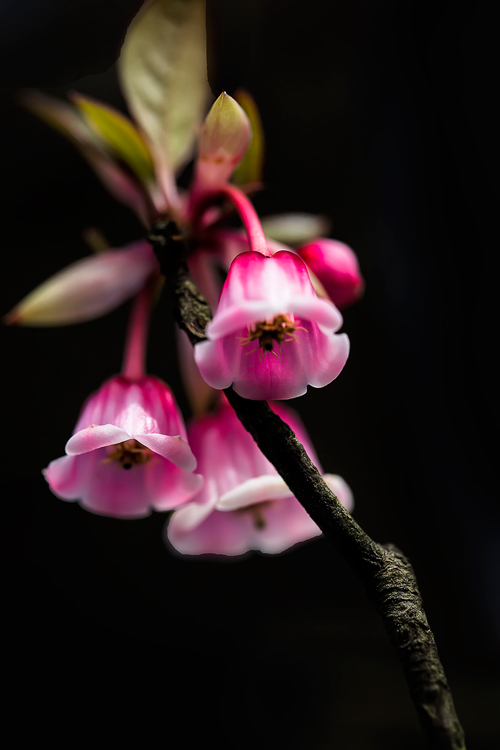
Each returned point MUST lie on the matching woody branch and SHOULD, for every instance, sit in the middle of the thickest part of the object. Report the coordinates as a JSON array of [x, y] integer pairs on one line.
[[385, 572]]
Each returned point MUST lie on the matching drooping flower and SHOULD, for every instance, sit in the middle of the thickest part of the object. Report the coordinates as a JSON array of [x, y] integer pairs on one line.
[[271, 335], [129, 453], [336, 266], [244, 504]]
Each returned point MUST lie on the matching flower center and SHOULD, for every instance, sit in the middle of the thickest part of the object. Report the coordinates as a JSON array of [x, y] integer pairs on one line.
[[257, 513], [266, 333], [128, 453]]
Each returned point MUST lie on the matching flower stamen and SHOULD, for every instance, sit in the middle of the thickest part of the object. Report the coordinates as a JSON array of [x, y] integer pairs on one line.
[[256, 511], [266, 333], [128, 453]]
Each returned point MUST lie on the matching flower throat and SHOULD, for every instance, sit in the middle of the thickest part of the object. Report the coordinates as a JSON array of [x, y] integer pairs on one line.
[[267, 333]]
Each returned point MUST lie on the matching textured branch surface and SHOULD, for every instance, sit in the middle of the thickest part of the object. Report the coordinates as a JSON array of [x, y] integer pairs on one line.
[[385, 572]]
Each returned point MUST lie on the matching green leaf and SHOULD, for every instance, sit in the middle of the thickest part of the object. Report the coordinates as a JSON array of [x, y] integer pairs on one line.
[[68, 120], [64, 118], [250, 168], [120, 135], [164, 76]]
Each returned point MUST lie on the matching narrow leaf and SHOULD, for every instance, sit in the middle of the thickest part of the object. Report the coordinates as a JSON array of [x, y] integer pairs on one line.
[[67, 120], [62, 117], [120, 134]]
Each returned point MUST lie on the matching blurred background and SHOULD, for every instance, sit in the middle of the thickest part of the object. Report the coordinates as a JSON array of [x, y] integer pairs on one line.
[[380, 116]]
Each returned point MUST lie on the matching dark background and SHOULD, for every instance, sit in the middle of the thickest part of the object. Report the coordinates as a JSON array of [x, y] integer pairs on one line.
[[379, 115]]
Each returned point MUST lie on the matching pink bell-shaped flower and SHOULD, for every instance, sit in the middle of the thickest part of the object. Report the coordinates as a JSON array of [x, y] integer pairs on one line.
[[337, 268], [128, 453], [271, 335], [244, 504]]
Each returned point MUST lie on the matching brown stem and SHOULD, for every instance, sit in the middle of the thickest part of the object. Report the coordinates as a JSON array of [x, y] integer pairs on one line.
[[385, 572]]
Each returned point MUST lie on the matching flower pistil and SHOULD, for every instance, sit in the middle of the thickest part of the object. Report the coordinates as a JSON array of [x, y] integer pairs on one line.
[[128, 453], [266, 333]]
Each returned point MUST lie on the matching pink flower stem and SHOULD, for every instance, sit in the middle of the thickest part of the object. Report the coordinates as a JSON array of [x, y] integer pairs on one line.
[[134, 356], [247, 213]]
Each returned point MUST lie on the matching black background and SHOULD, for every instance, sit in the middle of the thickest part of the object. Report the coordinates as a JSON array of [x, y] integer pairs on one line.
[[380, 115]]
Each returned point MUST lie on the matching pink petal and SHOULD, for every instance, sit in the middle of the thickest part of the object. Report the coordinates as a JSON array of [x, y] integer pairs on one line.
[[105, 487], [197, 530], [214, 368], [63, 478], [175, 448], [257, 490], [277, 280], [93, 437], [315, 359], [246, 313], [168, 486], [286, 524], [330, 356], [136, 407]]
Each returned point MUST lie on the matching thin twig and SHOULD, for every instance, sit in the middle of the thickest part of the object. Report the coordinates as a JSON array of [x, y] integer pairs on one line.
[[385, 572]]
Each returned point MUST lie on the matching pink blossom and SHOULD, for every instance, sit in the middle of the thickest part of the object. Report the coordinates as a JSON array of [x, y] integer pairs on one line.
[[128, 453], [244, 504], [271, 335], [337, 268]]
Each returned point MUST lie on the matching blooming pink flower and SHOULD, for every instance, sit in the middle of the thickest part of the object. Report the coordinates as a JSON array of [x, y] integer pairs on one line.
[[271, 335], [244, 504], [128, 453], [337, 268]]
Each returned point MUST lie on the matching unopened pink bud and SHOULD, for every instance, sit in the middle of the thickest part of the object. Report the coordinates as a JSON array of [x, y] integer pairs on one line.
[[336, 266]]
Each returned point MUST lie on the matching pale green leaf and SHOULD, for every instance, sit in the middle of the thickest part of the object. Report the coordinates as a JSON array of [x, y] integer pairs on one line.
[[64, 118], [295, 229], [163, 70], [69, 121]]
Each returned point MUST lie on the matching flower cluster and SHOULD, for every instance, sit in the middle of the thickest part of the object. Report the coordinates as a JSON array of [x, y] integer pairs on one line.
[[274, 329]]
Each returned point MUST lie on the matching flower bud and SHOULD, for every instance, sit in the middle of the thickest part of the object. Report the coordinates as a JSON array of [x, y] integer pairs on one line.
[[337, 268], [224, 138], [87, 289]]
